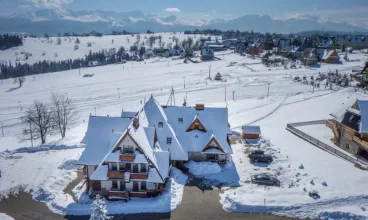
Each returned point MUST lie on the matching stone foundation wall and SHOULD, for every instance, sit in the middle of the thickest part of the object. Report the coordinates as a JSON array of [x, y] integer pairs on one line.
[[349, 146]]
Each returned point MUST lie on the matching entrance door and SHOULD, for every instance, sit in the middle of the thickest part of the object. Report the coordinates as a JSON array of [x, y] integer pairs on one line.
[[135, 186], [97, 186]]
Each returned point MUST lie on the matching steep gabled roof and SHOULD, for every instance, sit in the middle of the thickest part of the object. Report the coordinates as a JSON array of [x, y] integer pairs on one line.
[[102, 134], [215, 121], [209, 146], [153, 114]]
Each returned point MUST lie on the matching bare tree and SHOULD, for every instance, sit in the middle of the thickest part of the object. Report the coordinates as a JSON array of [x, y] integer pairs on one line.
[[65, 114], [58, 41], [39, 120], [19, 80]]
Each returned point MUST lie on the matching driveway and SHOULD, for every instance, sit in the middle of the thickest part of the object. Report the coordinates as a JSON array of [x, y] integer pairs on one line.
[[199, 202]]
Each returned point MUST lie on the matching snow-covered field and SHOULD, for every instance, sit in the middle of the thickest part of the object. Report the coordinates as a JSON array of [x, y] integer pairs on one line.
[[49, 170], [65, 51]]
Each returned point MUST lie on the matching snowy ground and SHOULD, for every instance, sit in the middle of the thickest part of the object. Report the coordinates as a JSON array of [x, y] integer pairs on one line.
[[344, 195], [66, 51], [5, 217], [49, 170]]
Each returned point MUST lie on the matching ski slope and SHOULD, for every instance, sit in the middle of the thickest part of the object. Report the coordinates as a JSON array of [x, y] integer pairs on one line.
[[135, 82]]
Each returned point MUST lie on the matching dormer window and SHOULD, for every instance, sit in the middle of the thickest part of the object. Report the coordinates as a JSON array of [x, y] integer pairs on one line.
[[168, 140], [160, 124], [196, 125], [180, 120]]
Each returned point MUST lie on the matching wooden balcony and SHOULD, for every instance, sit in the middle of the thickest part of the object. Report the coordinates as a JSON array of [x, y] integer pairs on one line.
[[115, 175], [127, 157], [139, 176]]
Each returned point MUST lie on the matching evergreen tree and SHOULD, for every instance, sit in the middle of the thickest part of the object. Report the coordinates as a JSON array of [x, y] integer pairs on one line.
[[99, 210]]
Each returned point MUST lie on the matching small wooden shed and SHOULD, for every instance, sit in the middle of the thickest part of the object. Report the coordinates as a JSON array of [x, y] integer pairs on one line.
[[251, 131]]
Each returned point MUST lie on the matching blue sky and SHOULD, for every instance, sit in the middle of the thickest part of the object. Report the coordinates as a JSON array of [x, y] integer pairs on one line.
[[348, 10]]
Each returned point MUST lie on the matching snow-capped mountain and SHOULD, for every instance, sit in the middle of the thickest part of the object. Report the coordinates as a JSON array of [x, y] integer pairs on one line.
[[60, 20]]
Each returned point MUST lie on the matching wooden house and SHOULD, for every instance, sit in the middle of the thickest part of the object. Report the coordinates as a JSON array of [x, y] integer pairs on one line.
[[331, 56], [207, 54], [350, 128]]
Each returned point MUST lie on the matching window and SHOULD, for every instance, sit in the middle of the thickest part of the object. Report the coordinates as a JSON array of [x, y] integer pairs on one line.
[[128, 149], [114, 167], [143, 186], [168, 140], [160, 124], [114, 185], [180, 120], [143, 168], [121, 167], [196, 125]]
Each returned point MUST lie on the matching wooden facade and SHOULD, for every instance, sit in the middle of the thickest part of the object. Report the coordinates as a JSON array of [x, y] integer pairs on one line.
[[341, 130], [250, 136]]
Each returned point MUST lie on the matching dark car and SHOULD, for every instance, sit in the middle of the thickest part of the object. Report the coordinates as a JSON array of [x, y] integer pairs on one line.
[[265, 179], [260, 156]]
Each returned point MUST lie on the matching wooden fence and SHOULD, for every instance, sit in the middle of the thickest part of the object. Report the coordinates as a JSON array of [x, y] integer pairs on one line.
[[351, 158]]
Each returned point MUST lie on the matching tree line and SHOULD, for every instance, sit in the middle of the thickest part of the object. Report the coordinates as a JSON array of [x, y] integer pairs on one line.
[[42, 119], [103, 56], [8, 41]]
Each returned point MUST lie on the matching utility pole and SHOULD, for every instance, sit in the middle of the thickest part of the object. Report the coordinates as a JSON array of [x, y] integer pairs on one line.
[[118, 92], [268, 89], [234, 95], [209, 72], [95, 111], [184, 81], [2, 129]]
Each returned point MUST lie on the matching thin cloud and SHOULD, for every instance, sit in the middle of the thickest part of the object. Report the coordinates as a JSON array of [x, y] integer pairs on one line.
[[172, 10], [49, 3]]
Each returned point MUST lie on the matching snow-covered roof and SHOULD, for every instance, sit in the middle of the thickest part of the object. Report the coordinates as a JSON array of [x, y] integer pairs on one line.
[[251, 129], [212, 151], [195, 140], [346, 104], [363, 107], [113, 157], [328, 54], [128, 114], [154, 177], [154, 114], [207, 52], [100, 173], [102, 134]]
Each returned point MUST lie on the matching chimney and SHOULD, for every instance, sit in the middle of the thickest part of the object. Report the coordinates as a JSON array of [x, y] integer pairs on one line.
[[199, 107], [136, 123]]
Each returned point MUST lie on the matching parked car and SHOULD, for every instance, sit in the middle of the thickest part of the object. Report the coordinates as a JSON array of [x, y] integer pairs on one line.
[[265, 179], [260, 156]]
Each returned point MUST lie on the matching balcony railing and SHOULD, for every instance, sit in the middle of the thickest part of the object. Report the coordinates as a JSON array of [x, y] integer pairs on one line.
[[127, 157], [115, 175], [139, 176], [120, 175]]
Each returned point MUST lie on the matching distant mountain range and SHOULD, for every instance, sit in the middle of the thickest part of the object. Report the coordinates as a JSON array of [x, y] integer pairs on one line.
[[54, 21]]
